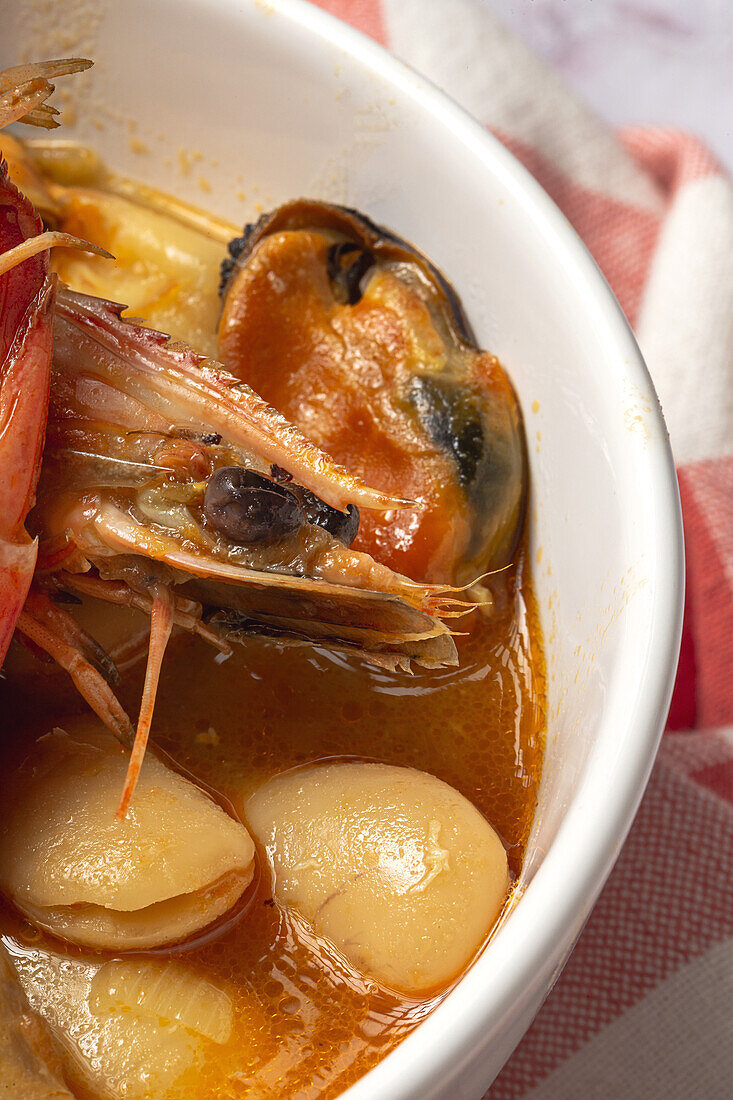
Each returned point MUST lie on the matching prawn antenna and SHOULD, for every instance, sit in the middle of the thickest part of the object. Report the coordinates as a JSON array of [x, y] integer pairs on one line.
[[161, 623]]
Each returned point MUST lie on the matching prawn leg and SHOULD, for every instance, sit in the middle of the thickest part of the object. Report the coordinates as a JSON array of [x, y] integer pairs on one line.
[[186, 613], [89, 683], [24, 90]]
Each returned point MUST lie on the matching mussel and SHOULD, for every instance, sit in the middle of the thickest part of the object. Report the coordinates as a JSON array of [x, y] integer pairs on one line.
[[357, 338]]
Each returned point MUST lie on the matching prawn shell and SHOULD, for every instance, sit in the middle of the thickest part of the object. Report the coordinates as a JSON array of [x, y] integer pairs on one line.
[[380, 624], [113, 380]]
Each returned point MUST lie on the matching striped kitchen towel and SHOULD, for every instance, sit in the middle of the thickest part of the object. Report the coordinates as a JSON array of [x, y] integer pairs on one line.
[[644, 1007]]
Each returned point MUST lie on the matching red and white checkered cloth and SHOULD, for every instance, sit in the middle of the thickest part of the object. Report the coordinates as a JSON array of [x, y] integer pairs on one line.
[[644, 1008]]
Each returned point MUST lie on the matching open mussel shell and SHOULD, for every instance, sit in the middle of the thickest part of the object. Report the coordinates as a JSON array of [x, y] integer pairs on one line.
[[358, 245], [442, 423]]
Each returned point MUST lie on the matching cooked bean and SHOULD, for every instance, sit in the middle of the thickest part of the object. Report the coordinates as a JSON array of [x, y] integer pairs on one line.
[[109, 883], [392, 865], [133, 1029]]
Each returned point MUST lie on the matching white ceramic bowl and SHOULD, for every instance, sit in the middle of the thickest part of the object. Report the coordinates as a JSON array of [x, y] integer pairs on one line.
[[281, 100]]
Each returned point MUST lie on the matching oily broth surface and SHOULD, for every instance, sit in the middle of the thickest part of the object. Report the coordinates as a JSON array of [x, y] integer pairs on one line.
[[234, 724], [272, 707]]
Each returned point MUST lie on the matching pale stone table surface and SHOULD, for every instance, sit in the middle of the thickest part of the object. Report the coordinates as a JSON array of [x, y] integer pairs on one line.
[[667, 62]]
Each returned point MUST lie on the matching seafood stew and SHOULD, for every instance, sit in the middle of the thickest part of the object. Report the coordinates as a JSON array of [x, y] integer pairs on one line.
[[346, 722]]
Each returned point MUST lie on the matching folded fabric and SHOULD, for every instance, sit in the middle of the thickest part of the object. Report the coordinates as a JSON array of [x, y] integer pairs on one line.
[[643, 1008]]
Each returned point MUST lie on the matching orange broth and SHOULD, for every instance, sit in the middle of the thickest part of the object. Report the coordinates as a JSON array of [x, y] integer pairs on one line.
[[233, 724]]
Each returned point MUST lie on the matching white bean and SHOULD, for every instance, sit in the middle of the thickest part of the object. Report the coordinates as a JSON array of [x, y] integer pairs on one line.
[[175, 863], [393, 866]]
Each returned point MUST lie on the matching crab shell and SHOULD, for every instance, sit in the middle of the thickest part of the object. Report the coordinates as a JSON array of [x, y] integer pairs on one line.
[[362, 342]]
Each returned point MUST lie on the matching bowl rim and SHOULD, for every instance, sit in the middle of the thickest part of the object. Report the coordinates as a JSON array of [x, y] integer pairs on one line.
[[510, 976], [563, 890]]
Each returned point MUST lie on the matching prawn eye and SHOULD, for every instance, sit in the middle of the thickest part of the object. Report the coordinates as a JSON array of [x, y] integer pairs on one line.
[[344, 526], [248, 508]]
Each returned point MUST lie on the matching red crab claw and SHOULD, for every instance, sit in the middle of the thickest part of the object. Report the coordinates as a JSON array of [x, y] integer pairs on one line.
[[27, 299], [27, 296]]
